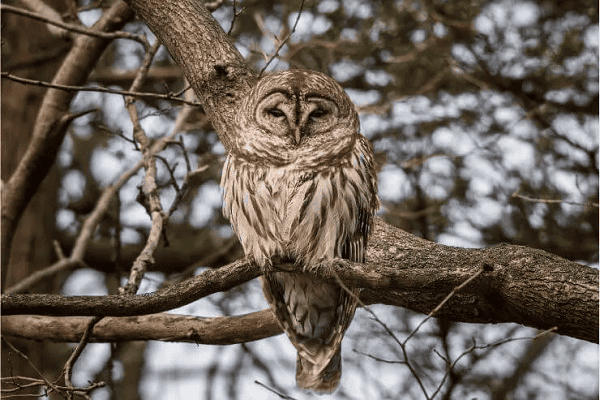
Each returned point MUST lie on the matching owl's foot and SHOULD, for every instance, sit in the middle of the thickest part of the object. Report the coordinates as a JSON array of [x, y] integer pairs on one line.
[[325, 268]]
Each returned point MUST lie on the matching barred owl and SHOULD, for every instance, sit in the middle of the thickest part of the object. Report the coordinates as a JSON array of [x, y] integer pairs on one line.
[[300, 190]]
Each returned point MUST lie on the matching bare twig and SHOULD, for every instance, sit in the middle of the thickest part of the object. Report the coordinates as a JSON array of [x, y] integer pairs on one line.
[[554, 201], [451, 366], [180, 192], [34, 382], [143, 70], [281, 395], [38, 276], [180, 143], [235, 15], [85, 338], [433, 312], [117, 245], [448, 297], [88, 227], [262, 366], [76, 28], [46, 381], [402, 344], [378, 358], [284, 41], [139, 267], [58, 250], [69, 88]]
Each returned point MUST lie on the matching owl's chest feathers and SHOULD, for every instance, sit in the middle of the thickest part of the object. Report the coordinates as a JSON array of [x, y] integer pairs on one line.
[[284, 190], [288, 212], [307, 211], [301, 213]]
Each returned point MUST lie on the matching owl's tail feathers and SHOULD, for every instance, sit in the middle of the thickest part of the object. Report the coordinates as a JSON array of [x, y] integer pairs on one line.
[[321, 374]]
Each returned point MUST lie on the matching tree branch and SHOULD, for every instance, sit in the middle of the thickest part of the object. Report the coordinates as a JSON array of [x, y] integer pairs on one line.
[[518, 284], [89, 225], [55, 21], [70, 88], [164, 327], [209, 60], [209, 282]]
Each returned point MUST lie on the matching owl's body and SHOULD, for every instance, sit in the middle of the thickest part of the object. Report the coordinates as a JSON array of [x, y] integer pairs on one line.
[[300, 190]]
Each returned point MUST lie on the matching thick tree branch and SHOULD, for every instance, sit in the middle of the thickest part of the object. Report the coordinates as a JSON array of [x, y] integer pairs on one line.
[[208, 282], [164, 327], [211, 63], [518, 284]]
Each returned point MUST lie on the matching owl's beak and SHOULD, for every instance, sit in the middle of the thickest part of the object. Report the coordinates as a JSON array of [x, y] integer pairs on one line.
[[297, 135]]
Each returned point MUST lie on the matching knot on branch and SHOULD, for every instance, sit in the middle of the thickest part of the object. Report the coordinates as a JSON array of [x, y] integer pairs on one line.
[[224, 71], [488, 267]]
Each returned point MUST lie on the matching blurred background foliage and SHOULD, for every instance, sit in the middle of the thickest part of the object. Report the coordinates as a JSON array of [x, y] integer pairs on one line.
[[484, 117]]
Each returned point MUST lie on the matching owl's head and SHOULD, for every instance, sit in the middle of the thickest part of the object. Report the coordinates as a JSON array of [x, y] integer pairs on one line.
[[296, 114]]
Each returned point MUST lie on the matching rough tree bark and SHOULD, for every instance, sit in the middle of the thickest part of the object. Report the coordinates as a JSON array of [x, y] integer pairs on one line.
[[511, 283]]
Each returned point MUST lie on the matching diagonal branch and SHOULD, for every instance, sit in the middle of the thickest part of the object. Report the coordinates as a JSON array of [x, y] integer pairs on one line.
[[76, 28], [70, 88], [150, 190], [208, 58]]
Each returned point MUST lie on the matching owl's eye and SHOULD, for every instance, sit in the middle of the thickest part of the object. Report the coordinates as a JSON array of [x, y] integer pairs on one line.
[[275, 112], [318, 113]]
